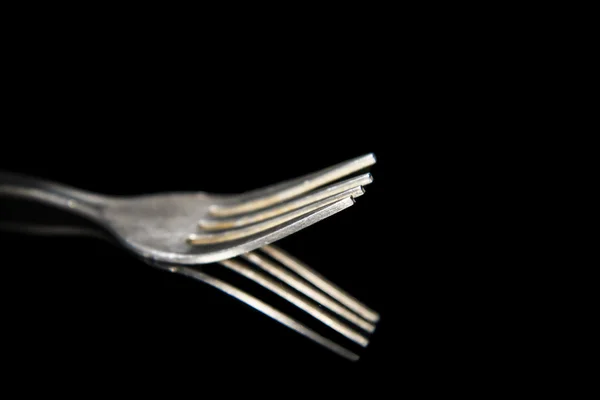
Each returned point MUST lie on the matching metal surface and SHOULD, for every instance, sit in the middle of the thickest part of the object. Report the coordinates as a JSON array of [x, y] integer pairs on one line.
[[301, 286], [306, 306], [269, 311], [288, 190], [321, 282], [239, 222], [234, 234], [164, 227]]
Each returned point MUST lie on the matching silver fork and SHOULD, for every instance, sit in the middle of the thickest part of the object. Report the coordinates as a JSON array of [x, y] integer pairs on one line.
[[275, 270], [156, 228], [188, 228]]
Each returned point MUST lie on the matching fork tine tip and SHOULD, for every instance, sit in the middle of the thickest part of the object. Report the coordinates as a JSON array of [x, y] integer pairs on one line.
[[370, 157]]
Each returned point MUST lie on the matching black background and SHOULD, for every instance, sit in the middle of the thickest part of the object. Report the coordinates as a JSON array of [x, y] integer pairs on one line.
[[443, 244], [80, 308]]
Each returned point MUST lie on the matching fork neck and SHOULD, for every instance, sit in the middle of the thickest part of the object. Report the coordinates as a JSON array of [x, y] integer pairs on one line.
[[53, 194]]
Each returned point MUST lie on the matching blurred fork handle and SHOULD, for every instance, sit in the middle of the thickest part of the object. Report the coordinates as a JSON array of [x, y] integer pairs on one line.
[[64, 230], [52, 194]]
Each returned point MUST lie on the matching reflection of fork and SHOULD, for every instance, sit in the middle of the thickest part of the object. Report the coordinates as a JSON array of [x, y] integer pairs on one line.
[[305, 288], [160, 227]]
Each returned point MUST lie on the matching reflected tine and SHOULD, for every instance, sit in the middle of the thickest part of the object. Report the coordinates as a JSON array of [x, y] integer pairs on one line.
[[220, 224], [288, 190], [298, 301], [321, 282], [309, 291], [225, 236], [267, 310]]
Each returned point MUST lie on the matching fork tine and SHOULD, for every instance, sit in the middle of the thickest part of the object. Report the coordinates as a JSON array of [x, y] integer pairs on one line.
[[287, 294], [272, 235], [225, 236], [267, 310], [307, 290], [238, 222], [281, 192], [321, 282]]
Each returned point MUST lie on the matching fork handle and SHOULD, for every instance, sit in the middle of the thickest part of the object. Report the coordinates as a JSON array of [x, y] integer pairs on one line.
[[77, 201]]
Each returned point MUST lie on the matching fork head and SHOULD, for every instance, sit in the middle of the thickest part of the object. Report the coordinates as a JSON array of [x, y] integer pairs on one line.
[[179, 228], [158, 227]]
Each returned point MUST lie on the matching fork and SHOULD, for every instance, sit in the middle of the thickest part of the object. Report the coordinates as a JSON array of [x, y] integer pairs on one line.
[[200, 228], [275, 270], [156, 228]]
